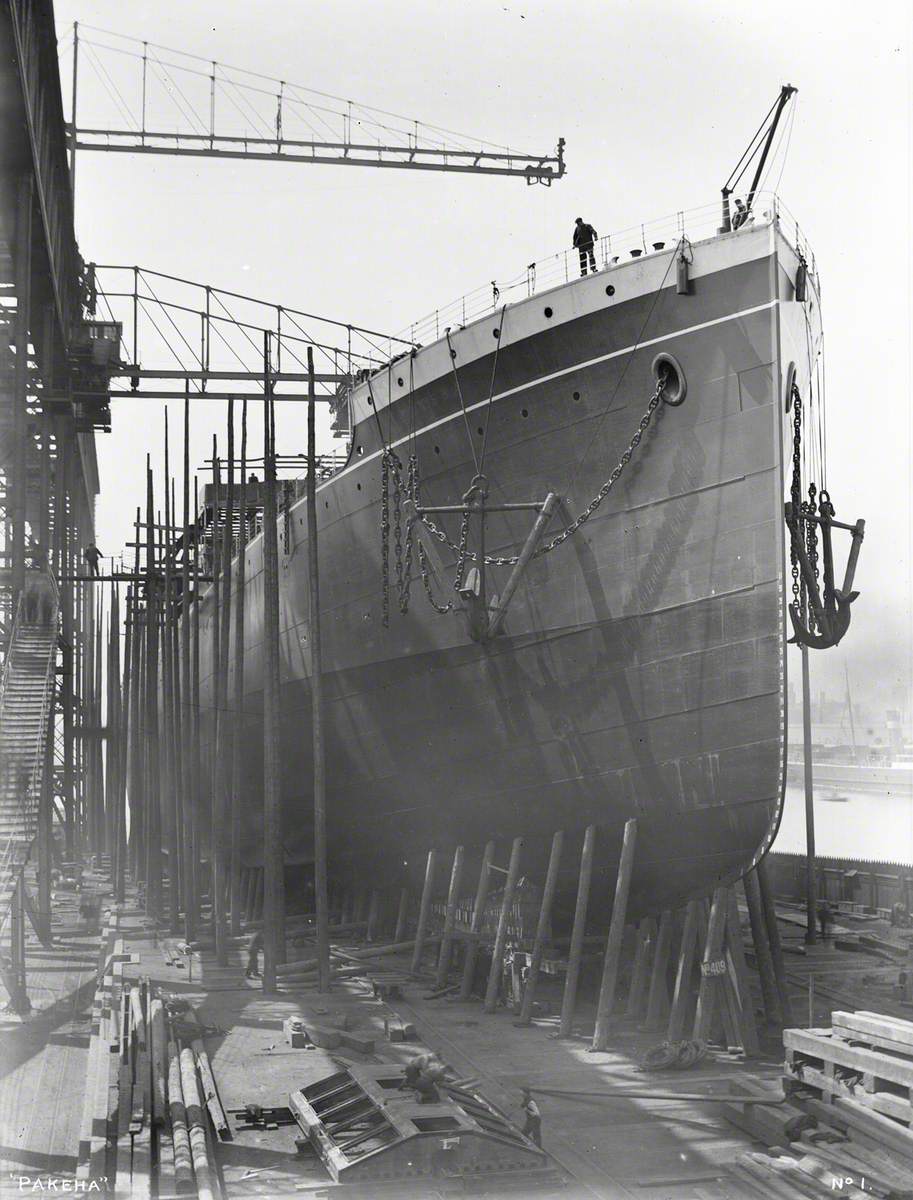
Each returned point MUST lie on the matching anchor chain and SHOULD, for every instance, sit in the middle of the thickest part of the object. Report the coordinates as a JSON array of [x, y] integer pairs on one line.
[[569, 530], [403, 539]]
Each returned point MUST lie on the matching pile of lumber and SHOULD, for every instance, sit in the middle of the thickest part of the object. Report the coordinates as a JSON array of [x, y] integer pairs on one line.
[[152, 1110], [845, 1126]]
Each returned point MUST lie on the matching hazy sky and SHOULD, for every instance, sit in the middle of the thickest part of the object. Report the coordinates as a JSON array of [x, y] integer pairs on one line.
[[656, 100]]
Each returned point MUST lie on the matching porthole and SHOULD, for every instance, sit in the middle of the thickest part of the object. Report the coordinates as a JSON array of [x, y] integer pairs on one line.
[[524, 412], [576, 395], [610, 291], [496, 333], [437, 449], [358, 485], [548, 312], [326, 504], [370, 401], [480, 431], [400, 380], [359, 450], [452, 352]]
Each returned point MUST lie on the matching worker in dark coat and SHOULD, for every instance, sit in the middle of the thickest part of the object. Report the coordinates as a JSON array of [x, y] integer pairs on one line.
[[92, 555], [254, 946], [584, 239], [532, 1127]]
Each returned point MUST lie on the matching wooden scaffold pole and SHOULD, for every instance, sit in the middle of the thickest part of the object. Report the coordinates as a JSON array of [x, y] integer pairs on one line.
[[189, 824], [238, 714], [273, 847], [169, 757], [319, 747], [150, 715], [217, 691], [616, 935], [542, 929], [222, 832]]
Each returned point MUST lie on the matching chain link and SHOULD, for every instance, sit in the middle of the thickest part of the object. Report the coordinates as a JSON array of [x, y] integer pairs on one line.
[[403, 545], [569, 530], [795, 495]]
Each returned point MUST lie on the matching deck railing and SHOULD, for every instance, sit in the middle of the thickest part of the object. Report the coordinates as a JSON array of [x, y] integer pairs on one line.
[[639, 241]]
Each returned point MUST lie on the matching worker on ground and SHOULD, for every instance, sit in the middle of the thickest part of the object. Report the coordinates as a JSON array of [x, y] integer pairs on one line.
[[92, 555], [584, 239], [532, 1127], [30, 603], [254, 946], [825, 917], [413, 1071]]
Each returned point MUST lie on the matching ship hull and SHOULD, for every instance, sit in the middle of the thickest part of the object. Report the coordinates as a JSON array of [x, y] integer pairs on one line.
[[640, 671]]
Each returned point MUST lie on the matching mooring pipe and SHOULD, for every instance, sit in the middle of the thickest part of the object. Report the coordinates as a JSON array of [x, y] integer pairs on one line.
[[725, 1098]]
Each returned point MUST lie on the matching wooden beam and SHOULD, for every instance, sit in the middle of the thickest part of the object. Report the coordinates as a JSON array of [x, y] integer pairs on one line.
[[453, 895], [542, 928], [424, 912], [497, 954], [617, 923], [569, 999], [478, 919], [658, 1001]]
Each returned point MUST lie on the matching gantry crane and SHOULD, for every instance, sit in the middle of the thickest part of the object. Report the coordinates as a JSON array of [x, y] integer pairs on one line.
[[228, 112]]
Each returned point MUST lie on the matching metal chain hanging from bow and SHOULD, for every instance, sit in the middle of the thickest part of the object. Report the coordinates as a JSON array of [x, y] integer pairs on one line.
[[819, 618]]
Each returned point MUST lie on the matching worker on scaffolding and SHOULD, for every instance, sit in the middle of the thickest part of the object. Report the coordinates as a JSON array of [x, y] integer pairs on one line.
[[92, 555]]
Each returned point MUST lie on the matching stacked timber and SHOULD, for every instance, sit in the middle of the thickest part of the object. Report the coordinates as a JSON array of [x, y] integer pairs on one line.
[[167, 1112], [846, 1124]]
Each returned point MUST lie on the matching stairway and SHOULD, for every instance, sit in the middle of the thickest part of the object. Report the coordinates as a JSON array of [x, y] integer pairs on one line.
[[25, 695]]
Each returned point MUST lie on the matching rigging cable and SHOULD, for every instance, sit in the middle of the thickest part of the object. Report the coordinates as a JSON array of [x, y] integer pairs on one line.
[[643, 329], [491, 386], [456, 379]]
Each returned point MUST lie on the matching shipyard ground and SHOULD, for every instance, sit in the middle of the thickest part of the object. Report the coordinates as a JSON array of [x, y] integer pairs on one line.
[[607, 1148]]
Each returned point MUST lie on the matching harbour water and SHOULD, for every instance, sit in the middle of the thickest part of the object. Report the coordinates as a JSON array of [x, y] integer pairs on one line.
[[874, 826]]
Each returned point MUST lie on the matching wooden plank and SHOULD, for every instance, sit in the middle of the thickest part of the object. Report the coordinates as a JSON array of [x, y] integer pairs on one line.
[[612, 959], [885, 1032], [881, 1102], [821, 1044]]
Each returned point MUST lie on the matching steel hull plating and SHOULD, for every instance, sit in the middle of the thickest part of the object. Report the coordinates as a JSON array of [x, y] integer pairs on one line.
[[640, 671]]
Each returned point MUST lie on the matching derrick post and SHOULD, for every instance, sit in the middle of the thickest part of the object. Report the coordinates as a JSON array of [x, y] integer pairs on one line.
[[402, 916], [196, 762], [319, 746], [273, 850]]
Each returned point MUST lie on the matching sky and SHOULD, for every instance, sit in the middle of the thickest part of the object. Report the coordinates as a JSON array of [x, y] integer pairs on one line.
[[656, 100]]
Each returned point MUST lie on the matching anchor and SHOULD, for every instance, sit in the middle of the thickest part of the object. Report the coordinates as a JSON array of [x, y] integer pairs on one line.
[[832, 613], [484, 618]]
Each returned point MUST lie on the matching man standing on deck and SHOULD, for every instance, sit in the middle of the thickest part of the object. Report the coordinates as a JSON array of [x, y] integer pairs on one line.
[[584, 239]]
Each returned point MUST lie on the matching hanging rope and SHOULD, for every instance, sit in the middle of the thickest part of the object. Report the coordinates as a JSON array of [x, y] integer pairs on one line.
[[456, 380]]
